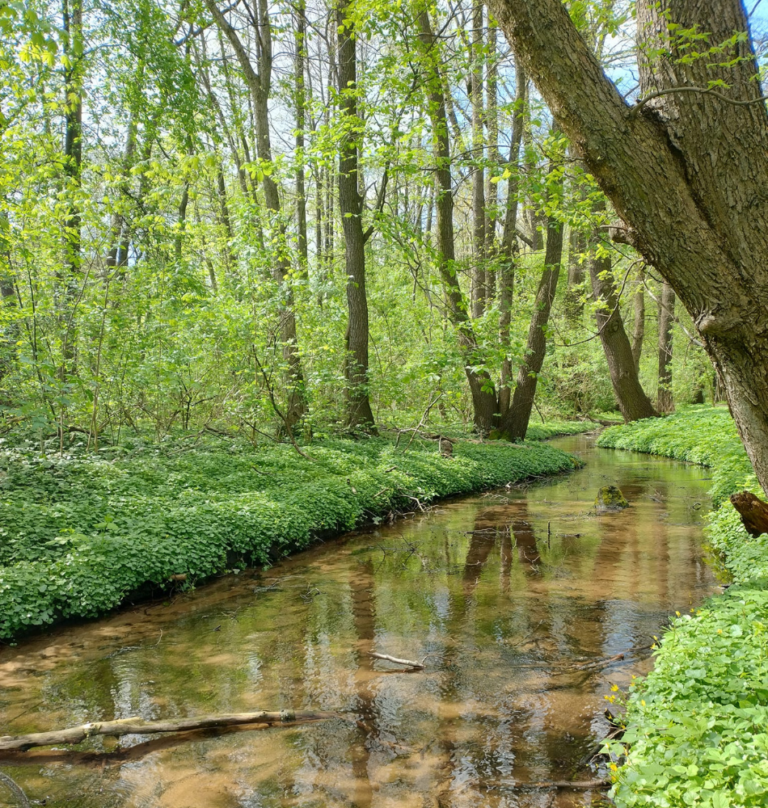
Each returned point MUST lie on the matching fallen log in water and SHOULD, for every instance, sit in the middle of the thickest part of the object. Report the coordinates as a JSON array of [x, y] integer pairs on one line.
[[409, 663], [138, 726]]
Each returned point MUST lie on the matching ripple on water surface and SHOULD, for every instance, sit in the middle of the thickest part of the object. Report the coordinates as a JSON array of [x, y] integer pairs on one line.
[[508, 597]]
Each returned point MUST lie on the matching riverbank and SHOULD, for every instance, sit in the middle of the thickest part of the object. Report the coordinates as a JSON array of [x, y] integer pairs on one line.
[[697, 723], [81, 534]]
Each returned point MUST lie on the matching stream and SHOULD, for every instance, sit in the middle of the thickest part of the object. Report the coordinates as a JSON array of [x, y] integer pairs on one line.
[[503, 595]]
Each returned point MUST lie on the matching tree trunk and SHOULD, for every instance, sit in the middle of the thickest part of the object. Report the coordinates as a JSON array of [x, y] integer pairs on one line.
[[638, 326], [630, 396], [514, 425], [359, 413], [73, 169], [259, 83], [301, 101], [573, 305], [686, 173], [181, 223], [480, 383], [494, 157], [509, 243], [118, 251], [479, 291], [665, 402]]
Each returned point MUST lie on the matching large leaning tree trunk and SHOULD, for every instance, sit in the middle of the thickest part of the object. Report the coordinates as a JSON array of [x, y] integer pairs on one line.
[[259, 81], [359, 413], [480, 383], [686, 172], [630, 396]]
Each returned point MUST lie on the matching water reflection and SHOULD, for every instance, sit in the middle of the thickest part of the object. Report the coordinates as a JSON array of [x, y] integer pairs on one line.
[[507, 596]]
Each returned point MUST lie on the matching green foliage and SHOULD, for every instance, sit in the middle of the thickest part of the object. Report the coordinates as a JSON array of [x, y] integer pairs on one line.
[[81, 533], [697, 723], [554, 429]]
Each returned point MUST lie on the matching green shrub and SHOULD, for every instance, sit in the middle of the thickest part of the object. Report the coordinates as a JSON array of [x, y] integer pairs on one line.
[[696, 725]]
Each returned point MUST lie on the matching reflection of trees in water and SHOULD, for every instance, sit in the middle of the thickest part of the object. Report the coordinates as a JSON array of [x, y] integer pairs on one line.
[[362, 585]]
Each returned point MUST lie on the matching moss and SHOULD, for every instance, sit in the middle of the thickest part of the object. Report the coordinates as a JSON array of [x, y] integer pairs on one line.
[[610, 498]]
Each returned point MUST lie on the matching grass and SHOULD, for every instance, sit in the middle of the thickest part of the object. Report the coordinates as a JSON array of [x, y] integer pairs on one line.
[[81, 533], [696, 726]]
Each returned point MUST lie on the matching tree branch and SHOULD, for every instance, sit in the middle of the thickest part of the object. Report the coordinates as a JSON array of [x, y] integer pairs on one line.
[[659, 93]]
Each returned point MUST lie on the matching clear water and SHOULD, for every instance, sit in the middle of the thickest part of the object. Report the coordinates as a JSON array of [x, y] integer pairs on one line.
[[501, 594]]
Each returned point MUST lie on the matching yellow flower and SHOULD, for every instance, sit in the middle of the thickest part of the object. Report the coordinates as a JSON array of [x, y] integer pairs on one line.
[[614, 767], [614, 688], [677, 613], [642, 701]]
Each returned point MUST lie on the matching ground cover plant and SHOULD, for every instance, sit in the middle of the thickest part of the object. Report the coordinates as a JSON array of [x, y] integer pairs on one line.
[[80, 532], [697, 724]]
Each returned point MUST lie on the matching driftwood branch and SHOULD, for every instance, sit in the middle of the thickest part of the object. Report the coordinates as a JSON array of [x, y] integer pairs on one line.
[[409, 663], [576, 785], [138, 726], [753, 512]]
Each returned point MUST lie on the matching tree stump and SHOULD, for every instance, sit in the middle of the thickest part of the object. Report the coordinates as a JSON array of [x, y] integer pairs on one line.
[[753, 512]]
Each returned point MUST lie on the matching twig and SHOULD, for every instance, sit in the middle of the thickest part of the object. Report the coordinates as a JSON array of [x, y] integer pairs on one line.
[[407, 662]]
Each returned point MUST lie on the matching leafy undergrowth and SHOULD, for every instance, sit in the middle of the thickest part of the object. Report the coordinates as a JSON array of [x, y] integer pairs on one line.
[[555, 429], [80, 533], [697, 725]]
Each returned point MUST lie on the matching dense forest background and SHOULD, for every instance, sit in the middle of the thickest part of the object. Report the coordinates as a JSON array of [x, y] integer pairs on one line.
[[280, 218]]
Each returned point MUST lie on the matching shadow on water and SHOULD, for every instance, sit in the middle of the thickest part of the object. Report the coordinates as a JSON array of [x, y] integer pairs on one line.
[[508, 597]]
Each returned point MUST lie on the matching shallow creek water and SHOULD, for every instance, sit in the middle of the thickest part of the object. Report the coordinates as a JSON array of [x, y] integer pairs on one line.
[[503, 594]]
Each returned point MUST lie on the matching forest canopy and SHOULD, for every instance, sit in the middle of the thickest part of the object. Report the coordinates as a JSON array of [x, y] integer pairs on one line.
[[286, 219]]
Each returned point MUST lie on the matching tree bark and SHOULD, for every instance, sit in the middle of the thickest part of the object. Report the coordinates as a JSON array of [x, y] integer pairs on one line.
[[479, 291], [359, 413], [630, 396], [638, 326], [481, 387], [514, 424], [753, 512], [686, 173], [664, 400]]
